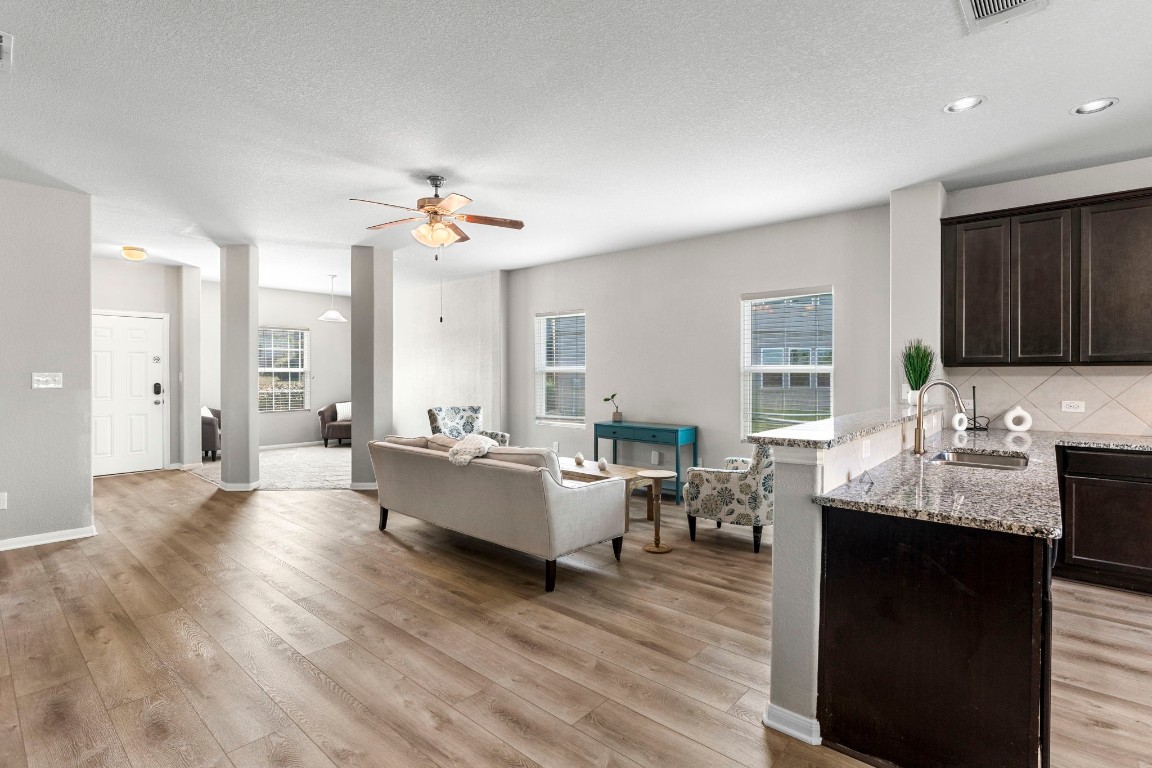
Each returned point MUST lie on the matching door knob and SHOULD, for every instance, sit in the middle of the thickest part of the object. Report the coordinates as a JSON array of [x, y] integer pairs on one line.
[[156, 402]]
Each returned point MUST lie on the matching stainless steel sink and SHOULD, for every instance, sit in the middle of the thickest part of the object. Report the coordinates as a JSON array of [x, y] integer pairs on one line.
[[979, 460]]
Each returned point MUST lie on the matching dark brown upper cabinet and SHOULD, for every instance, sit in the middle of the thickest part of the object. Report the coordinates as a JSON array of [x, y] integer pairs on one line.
[[1116, 282], [1007, 290]]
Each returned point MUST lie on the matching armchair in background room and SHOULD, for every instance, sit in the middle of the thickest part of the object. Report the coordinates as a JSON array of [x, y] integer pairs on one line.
[[742, 493], [210, 431], [456, 421], [336, 422]]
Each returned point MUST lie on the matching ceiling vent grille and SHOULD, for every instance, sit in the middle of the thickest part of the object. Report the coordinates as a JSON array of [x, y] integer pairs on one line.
[[5, 53], [982, 14]]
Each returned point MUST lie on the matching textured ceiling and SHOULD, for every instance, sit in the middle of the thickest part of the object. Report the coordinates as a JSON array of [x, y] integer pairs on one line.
[[604, 125]]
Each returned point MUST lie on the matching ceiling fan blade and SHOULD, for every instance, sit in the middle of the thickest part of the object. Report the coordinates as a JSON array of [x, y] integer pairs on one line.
[[453, 203], [387, 224], [459, 233], [389, 205], [491, 221]]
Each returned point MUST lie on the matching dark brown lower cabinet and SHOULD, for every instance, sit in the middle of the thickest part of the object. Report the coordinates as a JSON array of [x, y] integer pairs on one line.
[[1107, 498], [934, 643]]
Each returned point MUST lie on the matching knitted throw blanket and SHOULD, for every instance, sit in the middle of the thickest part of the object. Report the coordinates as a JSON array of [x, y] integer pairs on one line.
[[469, 448]]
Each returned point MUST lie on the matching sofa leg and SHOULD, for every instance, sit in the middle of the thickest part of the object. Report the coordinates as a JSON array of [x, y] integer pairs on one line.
[[756, 531], [325, 442], [213, 455], [718, 523], [383, 518], [617, 545], [549, 575], [692, 527]]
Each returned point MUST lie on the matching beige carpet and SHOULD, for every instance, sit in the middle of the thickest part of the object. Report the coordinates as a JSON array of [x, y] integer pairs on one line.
[[285, 469]]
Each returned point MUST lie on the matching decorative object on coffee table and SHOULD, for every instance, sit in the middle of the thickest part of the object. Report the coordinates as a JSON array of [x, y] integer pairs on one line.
[[602, 464], [657, 476], [579, 459], [918, 360], [616, 415]]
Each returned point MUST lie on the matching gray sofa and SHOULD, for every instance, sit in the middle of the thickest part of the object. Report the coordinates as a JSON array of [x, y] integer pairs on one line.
[[210, 433], [514, 497], [330, 428]]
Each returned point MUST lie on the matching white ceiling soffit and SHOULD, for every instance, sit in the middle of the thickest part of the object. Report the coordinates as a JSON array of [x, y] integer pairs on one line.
[[985, 14], [603, 125]]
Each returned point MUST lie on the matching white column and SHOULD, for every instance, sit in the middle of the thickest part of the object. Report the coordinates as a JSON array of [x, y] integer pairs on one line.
[[371, 319], [239, 323], [914, 271], [189, 380]]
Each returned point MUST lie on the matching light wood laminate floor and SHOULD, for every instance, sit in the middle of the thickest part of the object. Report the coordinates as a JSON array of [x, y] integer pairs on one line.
[[203, 628]]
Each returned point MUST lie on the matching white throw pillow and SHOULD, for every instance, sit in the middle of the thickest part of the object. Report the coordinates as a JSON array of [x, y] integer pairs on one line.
[[344, 411], [205, 411]]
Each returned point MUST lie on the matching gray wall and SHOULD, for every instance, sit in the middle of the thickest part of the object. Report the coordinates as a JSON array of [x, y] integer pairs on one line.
[[331, 356], [457, 362], [663, 325], [45, 325]]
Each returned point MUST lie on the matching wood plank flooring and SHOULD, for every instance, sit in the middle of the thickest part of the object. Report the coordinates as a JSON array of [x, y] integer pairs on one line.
[[280, 628]]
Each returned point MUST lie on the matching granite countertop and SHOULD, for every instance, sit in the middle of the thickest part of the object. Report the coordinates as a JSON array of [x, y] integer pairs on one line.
[[1023, 501], [827, 433]]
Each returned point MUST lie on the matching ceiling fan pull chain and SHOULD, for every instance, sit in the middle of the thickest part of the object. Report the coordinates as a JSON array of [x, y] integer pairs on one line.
[[440, 272]]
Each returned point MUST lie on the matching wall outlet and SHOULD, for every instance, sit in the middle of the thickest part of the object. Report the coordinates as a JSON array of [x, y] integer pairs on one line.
[[655, 458], [967, 404], [1072, 406], [556, 447], [47, 381], [866, 448], [4, 500]]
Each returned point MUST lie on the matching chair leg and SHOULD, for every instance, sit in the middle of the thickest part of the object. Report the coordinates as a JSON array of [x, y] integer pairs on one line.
[[325, 442], [550, 576], [617, 545], [718, 523], [213, 455], [692, 527], [383, 518], [756, 531]]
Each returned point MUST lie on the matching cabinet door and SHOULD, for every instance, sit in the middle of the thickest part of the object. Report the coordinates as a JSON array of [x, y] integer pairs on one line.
[[1108, 525], [1041, 302], [1116, 282], [977, 281]]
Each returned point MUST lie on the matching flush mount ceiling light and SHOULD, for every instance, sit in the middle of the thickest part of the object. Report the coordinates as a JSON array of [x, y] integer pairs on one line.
[[332, 315], [133, 253], [1096, 105], [964, 104]]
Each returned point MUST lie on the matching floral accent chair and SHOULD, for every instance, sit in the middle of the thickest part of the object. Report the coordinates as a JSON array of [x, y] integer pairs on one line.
[[741, 493], [456, 421]]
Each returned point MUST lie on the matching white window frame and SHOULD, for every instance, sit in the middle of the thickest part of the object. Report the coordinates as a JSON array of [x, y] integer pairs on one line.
[[750, 359], [305, 371], [542, 370]]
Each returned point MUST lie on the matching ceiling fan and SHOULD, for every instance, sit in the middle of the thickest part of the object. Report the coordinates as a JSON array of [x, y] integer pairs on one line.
[[440, 217]]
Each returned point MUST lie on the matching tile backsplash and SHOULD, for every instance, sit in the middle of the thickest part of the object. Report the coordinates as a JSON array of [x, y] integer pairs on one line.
[[1117, 399]]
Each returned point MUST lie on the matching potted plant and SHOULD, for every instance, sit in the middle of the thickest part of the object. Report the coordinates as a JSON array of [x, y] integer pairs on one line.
[[616, 415], [918, 359]]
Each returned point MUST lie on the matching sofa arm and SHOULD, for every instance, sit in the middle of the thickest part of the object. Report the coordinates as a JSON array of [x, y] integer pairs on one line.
[[583, 515], [501, 438]]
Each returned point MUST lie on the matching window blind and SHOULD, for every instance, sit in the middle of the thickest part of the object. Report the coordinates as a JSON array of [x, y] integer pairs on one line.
[[560, 368], [285, 365], [787, 360]]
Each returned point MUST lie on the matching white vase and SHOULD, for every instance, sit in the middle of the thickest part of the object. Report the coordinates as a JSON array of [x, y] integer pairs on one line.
[[913, 395], [1018, 420]]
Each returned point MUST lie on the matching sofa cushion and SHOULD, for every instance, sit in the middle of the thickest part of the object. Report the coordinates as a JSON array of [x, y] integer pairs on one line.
[[441, 443], [411, 442], [532, 457]]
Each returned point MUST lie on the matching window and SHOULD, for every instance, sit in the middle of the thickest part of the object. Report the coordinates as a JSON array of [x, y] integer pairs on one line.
[[786, 361], [284, 369], [560, 368]]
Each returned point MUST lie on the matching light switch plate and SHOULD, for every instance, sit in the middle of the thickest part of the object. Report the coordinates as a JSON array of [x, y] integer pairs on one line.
[[1072, 406], [47, 381]]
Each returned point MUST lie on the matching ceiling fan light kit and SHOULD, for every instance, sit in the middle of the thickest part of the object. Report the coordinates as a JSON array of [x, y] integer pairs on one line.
[[438, 216]]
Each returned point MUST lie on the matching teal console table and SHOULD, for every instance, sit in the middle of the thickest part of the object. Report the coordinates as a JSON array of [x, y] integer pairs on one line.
[[657, 434]]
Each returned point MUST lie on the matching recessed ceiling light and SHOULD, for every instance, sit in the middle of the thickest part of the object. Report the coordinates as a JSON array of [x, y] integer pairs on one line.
[[1096, 105], [964, 104], [133, 253]]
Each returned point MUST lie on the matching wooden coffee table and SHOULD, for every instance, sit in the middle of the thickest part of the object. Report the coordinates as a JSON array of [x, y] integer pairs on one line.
[[589, 473]]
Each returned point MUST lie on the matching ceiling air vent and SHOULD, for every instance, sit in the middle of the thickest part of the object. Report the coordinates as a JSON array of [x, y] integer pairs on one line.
[[5, 53], [981, 14]]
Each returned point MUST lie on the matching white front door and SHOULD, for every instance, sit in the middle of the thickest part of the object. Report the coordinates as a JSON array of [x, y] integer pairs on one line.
[[128, 428]]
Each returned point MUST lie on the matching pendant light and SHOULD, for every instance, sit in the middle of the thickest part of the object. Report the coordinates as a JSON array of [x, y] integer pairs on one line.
[[332, 315], [133, 253]]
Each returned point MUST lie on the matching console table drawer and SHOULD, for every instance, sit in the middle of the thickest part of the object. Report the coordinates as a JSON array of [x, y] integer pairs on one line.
[[616, 433]]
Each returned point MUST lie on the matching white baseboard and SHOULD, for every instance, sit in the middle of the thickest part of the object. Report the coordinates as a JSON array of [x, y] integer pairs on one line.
[[363, 486], [189, 467], [239, 486], [291, 445], [807, 729], [47, 538]]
